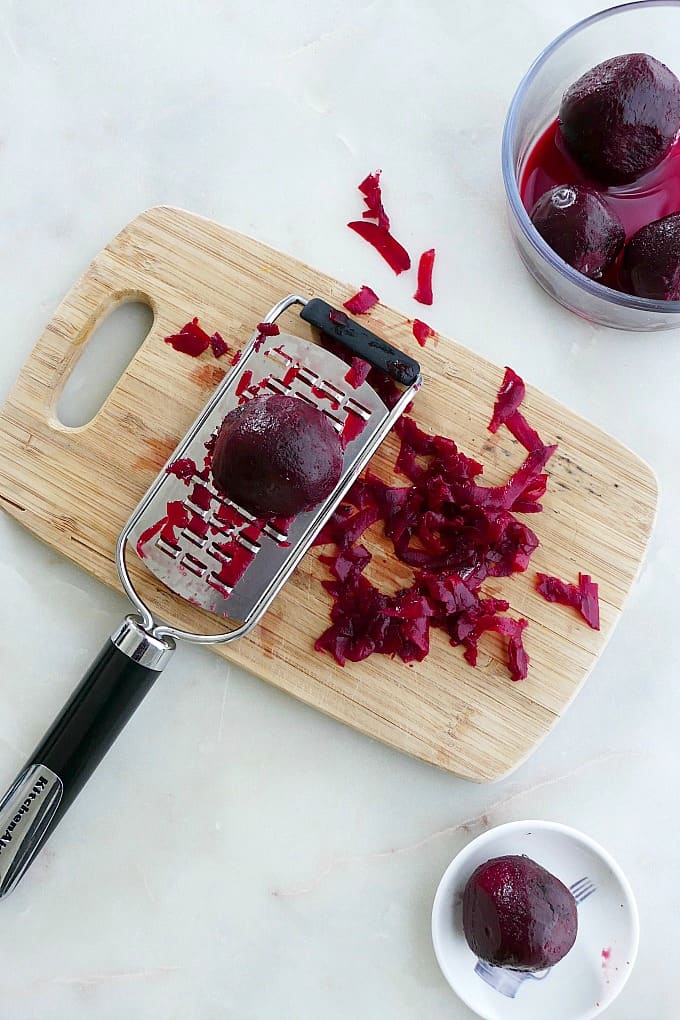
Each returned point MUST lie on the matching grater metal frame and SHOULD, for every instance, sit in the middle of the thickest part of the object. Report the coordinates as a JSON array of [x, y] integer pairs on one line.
[[166, 633]]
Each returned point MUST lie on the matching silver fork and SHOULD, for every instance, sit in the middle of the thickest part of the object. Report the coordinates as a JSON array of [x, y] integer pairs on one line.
[[508, 982], [582, 889]]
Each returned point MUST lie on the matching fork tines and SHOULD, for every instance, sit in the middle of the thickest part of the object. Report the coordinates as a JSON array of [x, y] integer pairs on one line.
[[582, 889]]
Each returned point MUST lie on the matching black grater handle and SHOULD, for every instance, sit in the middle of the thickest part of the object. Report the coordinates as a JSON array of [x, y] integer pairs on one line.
[[56, 771], [361, 342]]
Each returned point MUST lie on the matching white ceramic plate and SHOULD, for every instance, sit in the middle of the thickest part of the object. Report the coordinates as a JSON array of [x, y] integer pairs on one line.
[[595, 970]]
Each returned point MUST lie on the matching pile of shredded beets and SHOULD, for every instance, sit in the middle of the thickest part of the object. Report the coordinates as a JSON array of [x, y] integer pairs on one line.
[[452, 531]]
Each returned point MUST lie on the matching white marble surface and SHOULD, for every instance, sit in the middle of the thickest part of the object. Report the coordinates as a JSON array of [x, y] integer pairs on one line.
[[240, 855]]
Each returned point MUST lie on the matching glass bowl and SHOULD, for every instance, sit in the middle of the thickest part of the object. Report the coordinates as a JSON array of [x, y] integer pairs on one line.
[[650, 26]]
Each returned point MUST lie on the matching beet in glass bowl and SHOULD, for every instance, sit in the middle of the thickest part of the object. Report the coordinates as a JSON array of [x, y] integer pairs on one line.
[[650, 26]]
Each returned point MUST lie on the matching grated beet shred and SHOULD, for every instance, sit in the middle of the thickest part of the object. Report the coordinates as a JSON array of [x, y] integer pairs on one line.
[[375, 210], [362, 301], [425, 266], [358, 373], [394, 253], [582, 597], [453, 532], [191, 339], [184, 468], [194, 341], [244, 382], [422, 331], [218, 345], [510, 396], [338, 318]]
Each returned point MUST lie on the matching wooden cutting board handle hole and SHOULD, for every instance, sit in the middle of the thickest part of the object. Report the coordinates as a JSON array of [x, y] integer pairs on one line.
[[103, 357]]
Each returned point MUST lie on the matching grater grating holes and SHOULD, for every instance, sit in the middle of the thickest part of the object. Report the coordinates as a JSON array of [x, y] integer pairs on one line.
[[195, 566]]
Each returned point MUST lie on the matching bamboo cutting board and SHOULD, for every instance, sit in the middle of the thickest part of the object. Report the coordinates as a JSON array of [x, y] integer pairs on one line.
[[75, 488]]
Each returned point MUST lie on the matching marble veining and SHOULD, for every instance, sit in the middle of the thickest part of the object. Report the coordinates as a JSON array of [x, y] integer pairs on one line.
[[239, 855]]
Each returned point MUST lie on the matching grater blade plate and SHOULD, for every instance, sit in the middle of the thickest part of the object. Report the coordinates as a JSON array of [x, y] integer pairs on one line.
[[195, 560]]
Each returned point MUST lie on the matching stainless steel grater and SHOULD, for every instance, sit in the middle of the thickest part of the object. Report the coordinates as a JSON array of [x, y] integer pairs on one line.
[[191, 558]]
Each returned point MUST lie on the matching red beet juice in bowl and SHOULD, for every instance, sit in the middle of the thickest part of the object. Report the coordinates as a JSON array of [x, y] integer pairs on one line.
[[535, 159], [650, 197]]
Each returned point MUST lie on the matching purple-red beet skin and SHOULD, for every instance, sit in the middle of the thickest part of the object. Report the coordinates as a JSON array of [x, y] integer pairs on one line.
[[651, 260], [620, 118], [517, 915], [579, 226], [277, 456]]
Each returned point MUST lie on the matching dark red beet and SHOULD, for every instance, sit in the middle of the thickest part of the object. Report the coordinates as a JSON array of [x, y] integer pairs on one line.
[[517, 915], [264, 330], [276, 456], [337, 317], [620, 118], [578, 225], [378, 234], [244, 382], [651, 260]]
